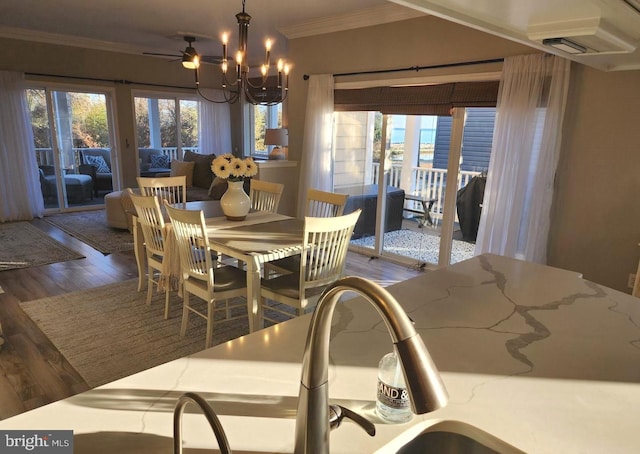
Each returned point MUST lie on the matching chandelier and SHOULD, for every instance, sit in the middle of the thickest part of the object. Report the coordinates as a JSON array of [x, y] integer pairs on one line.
[[265, 89]]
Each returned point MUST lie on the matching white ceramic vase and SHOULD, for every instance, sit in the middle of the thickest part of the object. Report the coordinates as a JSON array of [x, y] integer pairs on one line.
[[235, 202]]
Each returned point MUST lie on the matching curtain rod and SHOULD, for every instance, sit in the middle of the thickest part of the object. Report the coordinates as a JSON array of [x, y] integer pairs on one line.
[[115, 81], [416, 68]]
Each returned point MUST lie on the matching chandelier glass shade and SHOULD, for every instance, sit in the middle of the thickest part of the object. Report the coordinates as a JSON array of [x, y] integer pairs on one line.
[[265, 89]]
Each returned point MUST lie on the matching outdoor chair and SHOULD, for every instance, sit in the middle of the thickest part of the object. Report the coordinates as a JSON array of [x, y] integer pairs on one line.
[[201, 276]]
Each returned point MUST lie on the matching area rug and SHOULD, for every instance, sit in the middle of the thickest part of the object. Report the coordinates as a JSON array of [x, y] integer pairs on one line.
[[109, 332], [24, 245], [420, 246], [91, 228]]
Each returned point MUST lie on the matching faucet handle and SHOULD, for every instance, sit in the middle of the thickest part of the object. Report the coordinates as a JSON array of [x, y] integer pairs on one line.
[[337, 413]]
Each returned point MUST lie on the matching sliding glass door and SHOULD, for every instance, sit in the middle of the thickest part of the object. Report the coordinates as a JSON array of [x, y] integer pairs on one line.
[[71, 128], [407, 174]]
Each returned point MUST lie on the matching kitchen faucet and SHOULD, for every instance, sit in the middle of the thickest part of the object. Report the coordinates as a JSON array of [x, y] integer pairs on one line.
[[424, 384]]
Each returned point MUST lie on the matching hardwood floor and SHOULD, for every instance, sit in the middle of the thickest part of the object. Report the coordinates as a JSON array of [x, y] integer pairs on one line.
[[32, 371]]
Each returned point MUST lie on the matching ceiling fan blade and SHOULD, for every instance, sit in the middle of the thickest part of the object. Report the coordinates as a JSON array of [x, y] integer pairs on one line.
[[214, 59], [155, 54]]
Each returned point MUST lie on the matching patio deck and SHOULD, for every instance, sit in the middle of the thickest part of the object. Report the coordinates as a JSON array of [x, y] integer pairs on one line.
[[420, 245]]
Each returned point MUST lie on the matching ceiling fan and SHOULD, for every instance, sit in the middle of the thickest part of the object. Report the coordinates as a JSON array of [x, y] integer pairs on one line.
[[188, 54]]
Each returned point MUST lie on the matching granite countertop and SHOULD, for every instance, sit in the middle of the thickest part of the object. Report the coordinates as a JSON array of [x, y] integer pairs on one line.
[[536, 356]]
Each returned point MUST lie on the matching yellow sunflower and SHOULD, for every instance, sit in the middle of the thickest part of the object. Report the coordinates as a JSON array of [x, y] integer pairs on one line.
[[221, 167], [252, 167]]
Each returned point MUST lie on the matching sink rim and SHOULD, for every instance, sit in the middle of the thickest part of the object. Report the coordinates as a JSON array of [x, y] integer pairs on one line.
[[451, 426]]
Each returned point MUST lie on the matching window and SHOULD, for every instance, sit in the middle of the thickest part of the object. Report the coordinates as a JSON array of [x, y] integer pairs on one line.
[[168, 123], [263, 118]]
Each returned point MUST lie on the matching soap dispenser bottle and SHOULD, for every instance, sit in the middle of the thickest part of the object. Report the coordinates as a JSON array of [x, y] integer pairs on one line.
[[392, 403]]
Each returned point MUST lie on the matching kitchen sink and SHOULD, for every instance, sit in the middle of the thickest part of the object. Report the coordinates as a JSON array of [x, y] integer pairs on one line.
[[448, 437]]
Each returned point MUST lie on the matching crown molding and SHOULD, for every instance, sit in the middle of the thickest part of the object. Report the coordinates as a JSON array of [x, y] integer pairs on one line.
[[65, 40], [382, 14]]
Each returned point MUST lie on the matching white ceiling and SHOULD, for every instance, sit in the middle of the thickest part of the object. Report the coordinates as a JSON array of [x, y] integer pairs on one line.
[[158, 25], [528, 21]]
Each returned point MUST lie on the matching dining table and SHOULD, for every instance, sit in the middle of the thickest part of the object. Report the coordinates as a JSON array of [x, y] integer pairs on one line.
[[259, 238]]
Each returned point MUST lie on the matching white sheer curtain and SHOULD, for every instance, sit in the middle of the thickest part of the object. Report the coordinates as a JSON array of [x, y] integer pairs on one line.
[[316, 162], [20, 194], [214, 124], [517, 201]]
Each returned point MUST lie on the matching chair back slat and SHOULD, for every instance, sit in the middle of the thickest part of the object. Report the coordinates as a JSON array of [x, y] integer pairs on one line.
[[322, 204], [172, 189], [265, 195], [193, 243], [326, 243], [151, 222]]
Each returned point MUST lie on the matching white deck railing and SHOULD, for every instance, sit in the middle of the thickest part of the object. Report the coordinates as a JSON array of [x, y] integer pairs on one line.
[[44, 156], [426, 182]]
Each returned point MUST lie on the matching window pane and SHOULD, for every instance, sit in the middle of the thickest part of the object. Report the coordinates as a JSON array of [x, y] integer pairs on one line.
[[168, 123], [37, 104], [89, 120], [189, 124], [265, 117], [259, 128], [142, 122]]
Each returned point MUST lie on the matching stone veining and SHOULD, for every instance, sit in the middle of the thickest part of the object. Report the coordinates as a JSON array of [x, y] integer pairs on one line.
[[540, 331]]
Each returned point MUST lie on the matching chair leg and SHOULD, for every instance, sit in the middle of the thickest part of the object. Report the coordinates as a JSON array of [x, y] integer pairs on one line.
[[185, 314], [210, 310], [149, 284]]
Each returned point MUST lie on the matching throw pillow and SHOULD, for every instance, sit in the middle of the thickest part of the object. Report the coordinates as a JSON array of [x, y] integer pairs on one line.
[[159, 161], [180, 168], [99, 163], [202, 174]]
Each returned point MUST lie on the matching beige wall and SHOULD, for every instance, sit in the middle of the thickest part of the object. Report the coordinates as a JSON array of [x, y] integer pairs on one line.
[[595, 223]]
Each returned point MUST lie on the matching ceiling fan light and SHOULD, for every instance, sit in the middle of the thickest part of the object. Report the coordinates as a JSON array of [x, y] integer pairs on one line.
[[190, 58]]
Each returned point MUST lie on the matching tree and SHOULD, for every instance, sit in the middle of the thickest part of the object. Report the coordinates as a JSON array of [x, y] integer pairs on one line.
[[142, 122], [39, 119]]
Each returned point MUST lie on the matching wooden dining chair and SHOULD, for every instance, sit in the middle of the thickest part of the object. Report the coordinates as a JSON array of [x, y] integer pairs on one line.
[[149, 217], [320, 204], [326, 241], [323, 204], [173, 189], [201, 277], [265, 195]]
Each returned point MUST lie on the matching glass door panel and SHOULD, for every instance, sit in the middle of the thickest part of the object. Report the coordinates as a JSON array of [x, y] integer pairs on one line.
[[68, 127], [355, 137], [416, 239]]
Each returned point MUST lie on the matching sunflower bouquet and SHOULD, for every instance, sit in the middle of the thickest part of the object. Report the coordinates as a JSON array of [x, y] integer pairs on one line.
[[228, 167]]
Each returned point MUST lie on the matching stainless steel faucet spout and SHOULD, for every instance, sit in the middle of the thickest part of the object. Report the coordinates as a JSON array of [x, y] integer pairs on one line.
[[425, 387], [214, 422]]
